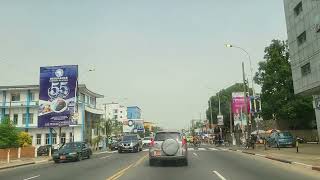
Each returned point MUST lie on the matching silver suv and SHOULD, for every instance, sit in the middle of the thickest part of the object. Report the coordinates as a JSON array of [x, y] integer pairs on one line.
[[168, 145]]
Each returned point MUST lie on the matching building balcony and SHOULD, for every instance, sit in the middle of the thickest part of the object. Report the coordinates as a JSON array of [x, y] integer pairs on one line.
[[14, 104]]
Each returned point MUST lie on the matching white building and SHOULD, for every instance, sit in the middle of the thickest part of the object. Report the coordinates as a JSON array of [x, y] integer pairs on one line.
[[303, 27], [20, 103], [115, 111]]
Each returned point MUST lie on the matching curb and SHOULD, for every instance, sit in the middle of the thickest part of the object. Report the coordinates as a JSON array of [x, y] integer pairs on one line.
[[17, 165], [316, 168], [280, 160], [248, 153]]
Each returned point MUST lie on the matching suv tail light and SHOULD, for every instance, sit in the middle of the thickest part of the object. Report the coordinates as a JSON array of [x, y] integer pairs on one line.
[[152, 142]]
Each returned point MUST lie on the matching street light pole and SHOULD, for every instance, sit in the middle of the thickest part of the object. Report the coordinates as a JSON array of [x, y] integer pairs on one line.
[[251, 71]]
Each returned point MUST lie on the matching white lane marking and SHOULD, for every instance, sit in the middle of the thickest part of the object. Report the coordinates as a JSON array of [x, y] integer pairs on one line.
[[219, 175], [224, 149], [261, 155], [213, 149], [32, 177], [195, 154], [104, 152], [302, 164], [201, 149], [190, 149], [104, 157], [145, 150]]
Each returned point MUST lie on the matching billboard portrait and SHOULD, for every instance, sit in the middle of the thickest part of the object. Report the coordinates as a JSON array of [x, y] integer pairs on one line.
[[57, 96], [238, 108]]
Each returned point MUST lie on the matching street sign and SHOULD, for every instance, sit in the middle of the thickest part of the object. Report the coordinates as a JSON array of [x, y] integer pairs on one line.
[[220, 120]]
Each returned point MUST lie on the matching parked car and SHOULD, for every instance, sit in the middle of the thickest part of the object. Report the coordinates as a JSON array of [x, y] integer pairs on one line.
[[168, 145], [44, 150], [130, 143], [281, 139], [73, 151], [114, 145], [146, 141]]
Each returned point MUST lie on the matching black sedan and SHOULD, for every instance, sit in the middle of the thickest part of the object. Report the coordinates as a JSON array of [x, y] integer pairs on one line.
[[73, 151]]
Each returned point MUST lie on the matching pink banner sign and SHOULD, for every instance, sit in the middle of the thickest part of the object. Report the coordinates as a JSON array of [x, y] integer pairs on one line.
[[238, 103]]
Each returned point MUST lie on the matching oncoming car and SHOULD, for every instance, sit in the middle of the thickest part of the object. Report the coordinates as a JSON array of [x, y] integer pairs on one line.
[[73, 151], [168, 145]]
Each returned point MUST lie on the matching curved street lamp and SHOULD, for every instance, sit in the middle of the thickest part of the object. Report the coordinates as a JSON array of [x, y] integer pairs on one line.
[[251, 70]]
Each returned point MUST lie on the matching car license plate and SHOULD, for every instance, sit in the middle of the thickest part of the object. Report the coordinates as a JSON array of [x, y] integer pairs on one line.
[[62, 157], [157, 153]]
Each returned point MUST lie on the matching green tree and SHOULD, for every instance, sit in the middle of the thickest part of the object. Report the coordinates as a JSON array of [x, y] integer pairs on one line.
[[8, 135], [277, 94], [24, 139], [225, 104]]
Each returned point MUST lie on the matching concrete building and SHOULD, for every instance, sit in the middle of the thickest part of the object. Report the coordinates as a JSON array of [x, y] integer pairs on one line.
[[21, 103], [303, 27], [115, 111], [134, 112]]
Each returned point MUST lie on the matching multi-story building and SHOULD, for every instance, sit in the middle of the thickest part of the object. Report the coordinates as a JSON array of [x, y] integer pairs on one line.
[[115, 111], [303, 27], [21, 103], [134, 112]]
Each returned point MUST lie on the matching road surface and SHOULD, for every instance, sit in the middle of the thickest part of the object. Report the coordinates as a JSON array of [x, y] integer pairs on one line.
[[204, 163]]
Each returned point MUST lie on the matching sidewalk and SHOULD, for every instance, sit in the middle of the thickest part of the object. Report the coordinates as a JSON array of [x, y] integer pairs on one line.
[[22, 162], [309, 154]]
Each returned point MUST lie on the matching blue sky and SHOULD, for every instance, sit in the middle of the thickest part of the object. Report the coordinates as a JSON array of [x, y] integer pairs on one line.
[[160, 55]]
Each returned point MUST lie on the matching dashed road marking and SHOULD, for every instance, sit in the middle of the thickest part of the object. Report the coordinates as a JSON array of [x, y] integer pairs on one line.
[[145, 150], [31, 177], [104, 157], [201, 149], [213, 149], [219, 175]]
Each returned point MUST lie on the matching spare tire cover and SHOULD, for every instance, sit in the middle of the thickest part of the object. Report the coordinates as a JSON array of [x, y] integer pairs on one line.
[[170, 147]]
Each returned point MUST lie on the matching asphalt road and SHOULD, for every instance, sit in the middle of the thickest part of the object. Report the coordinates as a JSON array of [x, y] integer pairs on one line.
[[204, 163]]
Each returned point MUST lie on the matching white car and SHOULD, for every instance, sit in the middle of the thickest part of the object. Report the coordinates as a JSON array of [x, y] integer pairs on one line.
[[146, 141], [167, 146]]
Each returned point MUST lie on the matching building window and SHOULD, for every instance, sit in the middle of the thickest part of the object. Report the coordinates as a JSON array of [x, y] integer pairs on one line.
[[115, 117], [71, 137], [54, 138], [121, 112], [32, 96], [24, 118], [15, 119], [302, 38], [92, 101], [63, 138], [47, 138], [15, 97], [121, 117], [38, 140], [298, 9], [116, 111], [305, 69], [82, 97], [88, 100]]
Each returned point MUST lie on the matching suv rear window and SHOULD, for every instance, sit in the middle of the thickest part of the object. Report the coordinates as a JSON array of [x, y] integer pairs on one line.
[[130, 138], [162, 136]]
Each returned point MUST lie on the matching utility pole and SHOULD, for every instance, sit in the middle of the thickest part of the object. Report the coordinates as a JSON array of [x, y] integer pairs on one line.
[[211, 118], [219, 102], [245, 99]]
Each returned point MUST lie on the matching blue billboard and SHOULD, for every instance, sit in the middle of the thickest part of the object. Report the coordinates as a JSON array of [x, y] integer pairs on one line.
[[57, 97]]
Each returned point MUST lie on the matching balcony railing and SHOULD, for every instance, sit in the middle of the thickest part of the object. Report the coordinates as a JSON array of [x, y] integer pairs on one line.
[[19, 104]]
